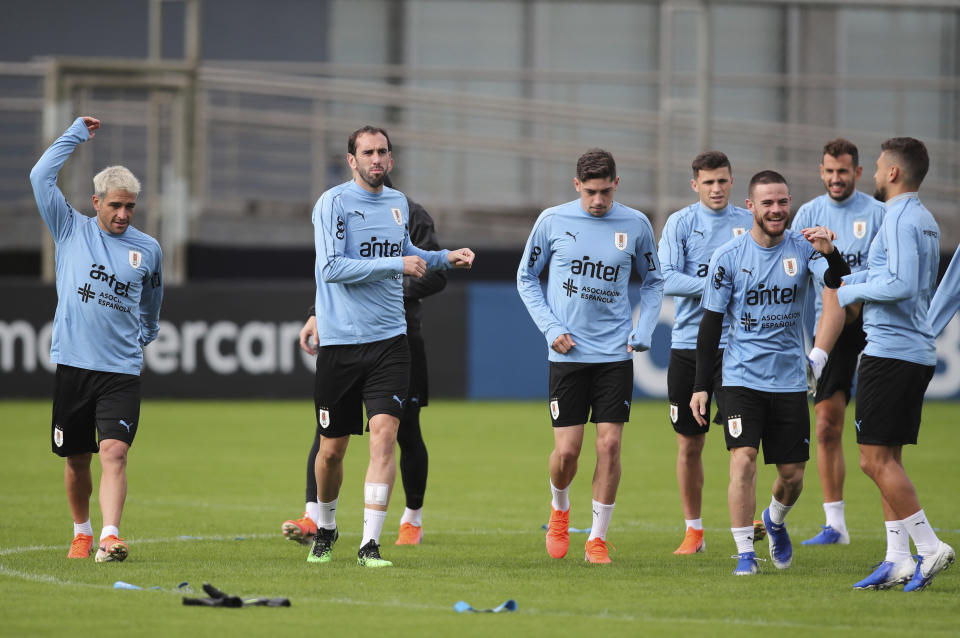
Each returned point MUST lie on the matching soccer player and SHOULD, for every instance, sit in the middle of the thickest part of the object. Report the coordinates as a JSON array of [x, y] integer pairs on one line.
[[109, 289], [689, 238], [759, 281], [363, 250], [899, 361], [413, 450], [946, 301], [591, 244], [855, 217]]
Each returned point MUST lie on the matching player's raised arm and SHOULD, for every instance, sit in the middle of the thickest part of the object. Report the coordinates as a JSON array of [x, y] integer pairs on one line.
[[53, 206]]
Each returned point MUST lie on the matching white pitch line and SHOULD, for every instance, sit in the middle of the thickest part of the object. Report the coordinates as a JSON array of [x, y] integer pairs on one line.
[[404, 604]]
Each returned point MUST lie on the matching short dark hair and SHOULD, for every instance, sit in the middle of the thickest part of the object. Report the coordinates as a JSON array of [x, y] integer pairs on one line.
[[911, 156], [766, 177], [596, 164], [841, 146], [373, 130], [709, 161]]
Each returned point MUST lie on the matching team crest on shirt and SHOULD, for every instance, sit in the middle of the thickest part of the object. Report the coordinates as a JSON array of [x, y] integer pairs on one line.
[[620, 240], [738, 230], [397, 216], [790, 266], [323, 418], [135, 257], [58, 436], [859, 228], [555, 409], [734, 426], [674, 413]]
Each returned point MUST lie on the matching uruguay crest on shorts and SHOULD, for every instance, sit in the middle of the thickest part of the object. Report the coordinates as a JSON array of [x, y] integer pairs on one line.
[[620, 240], [135, 257], [674, 413], [859, 228], [738, 230], [790, 266], [397, 216], [555, 409], [58, 436], [734, 427], [323, 417]]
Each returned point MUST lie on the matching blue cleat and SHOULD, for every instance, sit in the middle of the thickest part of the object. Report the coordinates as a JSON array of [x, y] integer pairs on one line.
[[829, 536], [930, 566], [888, 574], [747, 564], [781, 550]]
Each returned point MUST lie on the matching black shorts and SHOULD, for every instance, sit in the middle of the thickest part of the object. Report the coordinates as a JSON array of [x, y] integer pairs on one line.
[[842, 364], [601, 391], [90, 406], [350, 377], [680, 377], [889, 400], [781, 420]]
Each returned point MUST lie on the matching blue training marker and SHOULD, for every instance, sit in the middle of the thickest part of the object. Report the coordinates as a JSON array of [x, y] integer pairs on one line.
[[122, 585], [462, 606]]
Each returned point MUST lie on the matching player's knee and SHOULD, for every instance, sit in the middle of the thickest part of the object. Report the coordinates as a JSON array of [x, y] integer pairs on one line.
[[608, 447], [113, 452], [690, 446], [567, 454], [829, 431]]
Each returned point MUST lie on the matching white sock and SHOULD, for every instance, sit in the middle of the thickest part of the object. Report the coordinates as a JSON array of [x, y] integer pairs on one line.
[[898, 542], [327, 514], [835, 518], [109, 530], [601, 520], [922, 534], [372, 525], [414, 517], [696, 523], [83, 528], [743, 537], [561, 498], [313, 511], [778, 511]]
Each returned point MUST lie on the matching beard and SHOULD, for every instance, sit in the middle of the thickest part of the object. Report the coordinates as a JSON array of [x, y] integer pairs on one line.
[[373, 182], [880, 194]]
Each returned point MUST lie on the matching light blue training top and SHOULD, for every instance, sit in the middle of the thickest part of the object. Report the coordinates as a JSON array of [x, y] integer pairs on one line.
[[898, 284], [590, 259], [109, 287], [361, 239]]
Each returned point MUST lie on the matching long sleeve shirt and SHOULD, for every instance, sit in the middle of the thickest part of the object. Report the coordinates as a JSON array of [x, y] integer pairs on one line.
[[109, 287], [361, 239], [946, 300], [590, 259], [899, 282]]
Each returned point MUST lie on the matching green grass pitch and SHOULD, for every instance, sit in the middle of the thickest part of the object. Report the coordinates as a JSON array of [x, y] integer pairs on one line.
[[211, 482]]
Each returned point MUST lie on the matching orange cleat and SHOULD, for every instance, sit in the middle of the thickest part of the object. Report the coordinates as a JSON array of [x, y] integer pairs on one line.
[[301, 530], [558, 533], [112, 549], [80, 547], [693, 542], [596, 551], [410, 534]]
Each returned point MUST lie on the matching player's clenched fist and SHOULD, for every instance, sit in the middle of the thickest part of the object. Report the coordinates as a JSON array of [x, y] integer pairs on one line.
[[414, 266], [461, 258]]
